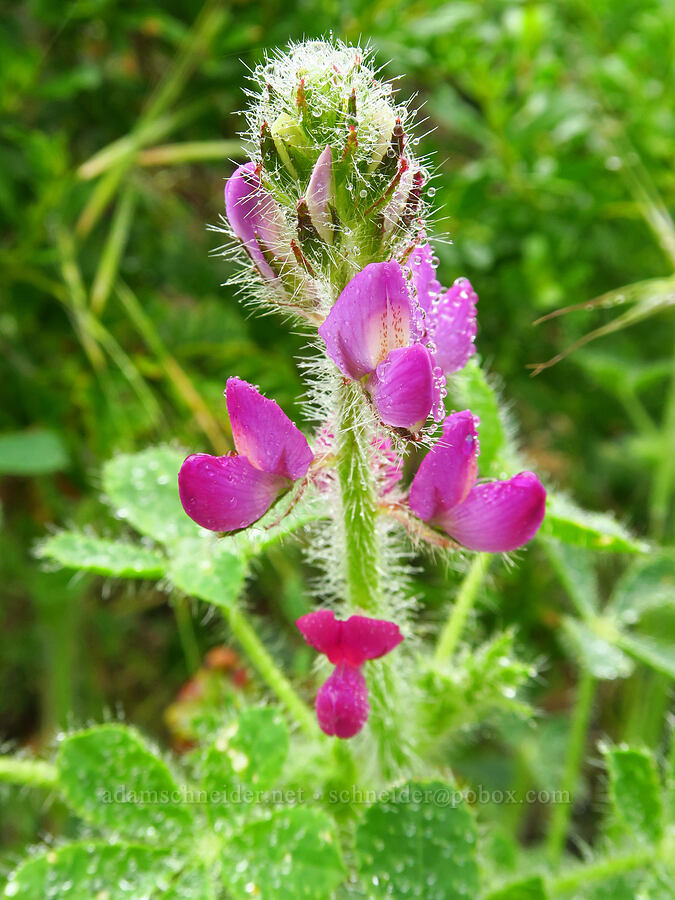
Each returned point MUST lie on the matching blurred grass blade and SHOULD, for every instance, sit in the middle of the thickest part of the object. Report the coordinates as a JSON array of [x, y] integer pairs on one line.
[[75, 298], [112, 252], [206, 26], [190, 151], [180, 381], [650, 297]]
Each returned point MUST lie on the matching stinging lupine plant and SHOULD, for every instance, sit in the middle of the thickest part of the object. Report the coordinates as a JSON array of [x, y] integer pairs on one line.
[[330, 220]]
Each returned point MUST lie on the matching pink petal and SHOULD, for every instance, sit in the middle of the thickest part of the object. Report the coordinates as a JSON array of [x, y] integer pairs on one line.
[[323, 631], [255, 217], [353, 641], [371, 317], [342, 702], [451, 326], [225, 493], [319, 194], [449, 469], [498, 516], [402, 387], [364, 638], [264, 434], [423, 271]]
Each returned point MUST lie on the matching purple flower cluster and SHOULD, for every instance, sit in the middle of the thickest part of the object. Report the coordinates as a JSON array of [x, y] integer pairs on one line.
[[396, 332]]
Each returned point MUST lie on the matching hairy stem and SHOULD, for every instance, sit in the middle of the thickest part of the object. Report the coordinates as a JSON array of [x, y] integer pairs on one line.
[[562, 812], [468, 592], [29, 772], [359, 509]]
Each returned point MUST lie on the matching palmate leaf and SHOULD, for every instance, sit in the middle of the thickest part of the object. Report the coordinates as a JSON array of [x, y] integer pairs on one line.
[[656, 653], [208, 569], [74, 550], [575, 569], [290, 853], [112, 780], [92, 869], [645, 585], [418, 842], [252, 751], [143, 490]]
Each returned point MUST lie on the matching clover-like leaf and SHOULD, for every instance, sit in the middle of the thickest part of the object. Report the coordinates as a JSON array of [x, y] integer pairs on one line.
[[290, 853], [143, 490], [419, 842], [74, 550], [90, 870], [111, 779], [595, 652], [208, 569]]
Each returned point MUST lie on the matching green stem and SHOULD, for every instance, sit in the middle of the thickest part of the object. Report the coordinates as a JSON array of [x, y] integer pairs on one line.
[[29, 772], [468, 592], [602, 870], [186, 634], [662, 486], [269, 671], [562, 812], [359, 508]]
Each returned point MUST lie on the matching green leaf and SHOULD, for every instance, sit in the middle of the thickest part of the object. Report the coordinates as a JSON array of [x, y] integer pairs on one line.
[[209, 570], [192, 884], [143, 489], [575, 569], [657, 654], [528, 889], [111, 779], [91, 870], [251, 751], [635, 792], [419, 842], [594, 652], [570, 524], [291, 853], [34, 452], [646, 584], [470, 389], [74, 550]]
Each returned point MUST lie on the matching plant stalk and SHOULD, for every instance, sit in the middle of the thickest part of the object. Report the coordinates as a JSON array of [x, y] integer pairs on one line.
[[29, 772], [466, 597], [562, 812]]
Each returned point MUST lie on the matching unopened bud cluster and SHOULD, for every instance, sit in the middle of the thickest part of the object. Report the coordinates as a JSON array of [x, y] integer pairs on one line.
[[330, 148]]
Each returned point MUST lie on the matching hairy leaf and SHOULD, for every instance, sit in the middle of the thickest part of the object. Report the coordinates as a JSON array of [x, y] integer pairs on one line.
[[570, 524], [90, 870], [291, 853], [74, 550], [208, 570], [143, 489], [111, 779], [636, 793], [594, 652], [419, 842], [471, 389]]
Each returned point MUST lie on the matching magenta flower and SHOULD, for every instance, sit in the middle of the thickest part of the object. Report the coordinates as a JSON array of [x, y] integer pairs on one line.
[[225, 493], [399, 343], [450, 316], [319, 195], [342, 702], [257, 220], [495, 516]]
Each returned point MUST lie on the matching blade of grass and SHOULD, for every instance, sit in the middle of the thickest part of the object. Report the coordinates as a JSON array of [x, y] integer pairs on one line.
[[179, 380], [109, 262], [189, 151]]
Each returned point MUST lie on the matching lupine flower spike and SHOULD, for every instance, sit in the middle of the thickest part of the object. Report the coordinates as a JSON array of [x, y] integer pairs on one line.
[[226, 493], [342, 706], [400, 342], [494, 516]]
